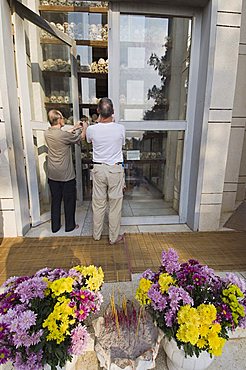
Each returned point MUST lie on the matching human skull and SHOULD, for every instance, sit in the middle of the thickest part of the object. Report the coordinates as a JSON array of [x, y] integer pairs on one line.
[[66, 99], [60, 99], [94, 100], [60, 27], [53, 99], [94, 67]]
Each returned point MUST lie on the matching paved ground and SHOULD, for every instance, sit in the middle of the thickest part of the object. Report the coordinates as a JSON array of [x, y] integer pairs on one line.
[[224, 251], [220, 250]]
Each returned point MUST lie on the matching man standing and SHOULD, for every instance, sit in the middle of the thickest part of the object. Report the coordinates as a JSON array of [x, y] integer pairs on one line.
[[61, 174], [107, 138]]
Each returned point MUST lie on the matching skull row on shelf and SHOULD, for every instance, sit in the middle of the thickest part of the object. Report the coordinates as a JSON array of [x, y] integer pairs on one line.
[[150, 155], [99, 67], [74, 3], [61, 65], [57, 98], [56, 65], [76, 31]]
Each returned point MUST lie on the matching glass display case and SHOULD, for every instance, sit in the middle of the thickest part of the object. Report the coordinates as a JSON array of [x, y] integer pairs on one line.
[[87, 23]]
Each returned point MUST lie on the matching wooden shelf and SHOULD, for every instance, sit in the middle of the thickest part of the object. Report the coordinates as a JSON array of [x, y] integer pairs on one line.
[[54, 41], [94, 43], [87, 105], [93, 75], [65, 9], [56, 105], [49, 74]]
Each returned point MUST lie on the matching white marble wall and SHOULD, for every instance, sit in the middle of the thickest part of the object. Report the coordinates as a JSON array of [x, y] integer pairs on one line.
[[218, 143], [14, 212], [235, 176]]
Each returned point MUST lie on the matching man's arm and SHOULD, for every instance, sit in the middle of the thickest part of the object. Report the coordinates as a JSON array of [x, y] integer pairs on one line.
[[84, 129]]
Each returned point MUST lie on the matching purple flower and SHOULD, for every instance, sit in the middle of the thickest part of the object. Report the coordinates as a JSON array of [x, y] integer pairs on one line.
[[4, 355], [169, 318], [13, 281], [22, 338], [179, 294], [236, 280], [158, 300], [33, 361], [32, 288], [51, 274], [148, 274], [170, 261]]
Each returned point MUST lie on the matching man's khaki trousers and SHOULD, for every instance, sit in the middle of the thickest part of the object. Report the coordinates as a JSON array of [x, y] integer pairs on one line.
[[108, 183]]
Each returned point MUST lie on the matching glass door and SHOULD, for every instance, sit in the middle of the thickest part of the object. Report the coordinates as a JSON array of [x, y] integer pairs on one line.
[[151, 55]]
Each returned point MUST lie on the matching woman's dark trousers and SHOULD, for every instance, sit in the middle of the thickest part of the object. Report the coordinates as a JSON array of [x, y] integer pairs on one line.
[[66, 191]]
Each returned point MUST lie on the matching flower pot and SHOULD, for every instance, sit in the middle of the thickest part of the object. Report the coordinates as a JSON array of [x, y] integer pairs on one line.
[[69, 365], [176, 359], [115, 353]]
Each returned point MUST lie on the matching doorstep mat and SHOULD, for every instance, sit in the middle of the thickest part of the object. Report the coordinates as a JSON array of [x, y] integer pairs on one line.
[[222, 251], [237, 221], [24, 256]]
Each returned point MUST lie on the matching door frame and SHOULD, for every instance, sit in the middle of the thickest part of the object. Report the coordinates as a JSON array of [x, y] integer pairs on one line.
[[115, 10]]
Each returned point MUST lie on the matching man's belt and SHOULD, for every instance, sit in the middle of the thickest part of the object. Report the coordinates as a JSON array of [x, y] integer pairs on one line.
[[106, 163]]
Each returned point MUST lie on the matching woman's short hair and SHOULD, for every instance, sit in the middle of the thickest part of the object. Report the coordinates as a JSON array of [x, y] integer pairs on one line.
[[105, 107], [53, 116]]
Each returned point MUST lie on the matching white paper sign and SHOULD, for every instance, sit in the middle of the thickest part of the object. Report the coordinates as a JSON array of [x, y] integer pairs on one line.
[[133, 155]]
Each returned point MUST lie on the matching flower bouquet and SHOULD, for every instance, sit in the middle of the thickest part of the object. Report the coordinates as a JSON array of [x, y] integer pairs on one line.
[[42, 316], [192, 305]]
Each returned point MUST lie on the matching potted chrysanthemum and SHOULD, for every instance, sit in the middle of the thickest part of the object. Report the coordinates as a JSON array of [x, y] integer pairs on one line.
[[42, 316], [195, 308]]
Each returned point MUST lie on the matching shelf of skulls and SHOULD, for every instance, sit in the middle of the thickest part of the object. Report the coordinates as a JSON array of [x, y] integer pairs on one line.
[[97, 69], [97, 34], [69, 8]]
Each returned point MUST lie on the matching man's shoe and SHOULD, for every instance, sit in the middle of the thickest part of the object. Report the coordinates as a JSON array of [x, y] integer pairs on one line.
[[120, 239]]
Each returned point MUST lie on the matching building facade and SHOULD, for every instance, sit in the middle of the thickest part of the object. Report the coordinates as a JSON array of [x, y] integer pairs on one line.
[[175, 71]]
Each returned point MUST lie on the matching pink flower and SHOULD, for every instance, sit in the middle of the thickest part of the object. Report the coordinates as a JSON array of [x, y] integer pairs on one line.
[[80, 339]]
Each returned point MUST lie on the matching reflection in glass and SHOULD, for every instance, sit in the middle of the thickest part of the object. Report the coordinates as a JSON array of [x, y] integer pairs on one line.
[[154, 67], [153, 162], [79, 25]]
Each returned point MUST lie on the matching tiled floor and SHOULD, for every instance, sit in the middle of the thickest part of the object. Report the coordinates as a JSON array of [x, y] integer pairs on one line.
[[84, 220], [223, 251]]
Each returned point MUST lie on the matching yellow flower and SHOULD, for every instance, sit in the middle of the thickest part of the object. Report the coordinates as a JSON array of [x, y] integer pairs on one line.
[[207, 313], [188, 333], [201, 343], [142, 291], [94, 276], [165, 280], [216, 344], [187, 314], [63, 285]]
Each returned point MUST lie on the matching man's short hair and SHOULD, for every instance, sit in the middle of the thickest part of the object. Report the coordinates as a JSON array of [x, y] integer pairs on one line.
[[105, 107], [53, 116]]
